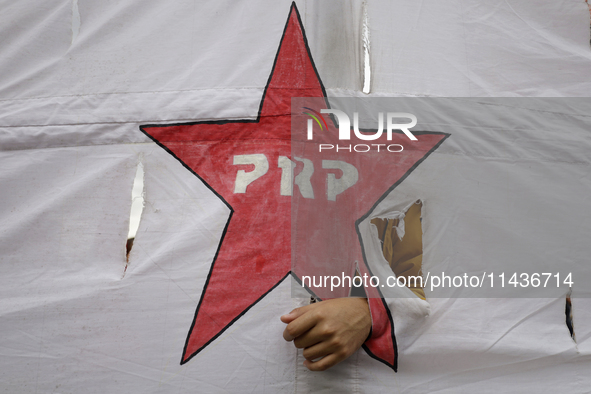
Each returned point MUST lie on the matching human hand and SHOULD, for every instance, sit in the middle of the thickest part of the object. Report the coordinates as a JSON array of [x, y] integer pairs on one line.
[[329, 331]]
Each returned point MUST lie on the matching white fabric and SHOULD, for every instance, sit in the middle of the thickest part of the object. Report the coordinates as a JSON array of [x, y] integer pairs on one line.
[[78, 78]]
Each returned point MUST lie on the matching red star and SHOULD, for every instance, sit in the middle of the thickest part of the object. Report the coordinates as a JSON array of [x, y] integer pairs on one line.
[[254, 254]]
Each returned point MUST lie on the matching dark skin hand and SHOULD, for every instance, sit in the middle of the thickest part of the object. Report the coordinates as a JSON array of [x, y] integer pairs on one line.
[[329, 331]]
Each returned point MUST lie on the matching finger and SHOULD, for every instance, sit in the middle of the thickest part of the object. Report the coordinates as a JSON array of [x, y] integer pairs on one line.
[[287, 336], [294, 314], [324, 363], [317, 351], [309, 338], [300, 325], [288, 318]]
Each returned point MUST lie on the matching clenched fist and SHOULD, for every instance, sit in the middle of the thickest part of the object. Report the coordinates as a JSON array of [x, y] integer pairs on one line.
[[329, 331]]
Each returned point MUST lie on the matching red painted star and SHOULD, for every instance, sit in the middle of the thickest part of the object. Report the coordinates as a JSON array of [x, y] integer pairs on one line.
[[244, 162]]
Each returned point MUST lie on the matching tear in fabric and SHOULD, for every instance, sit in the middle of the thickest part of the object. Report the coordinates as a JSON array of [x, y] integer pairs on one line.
[[403, 248], [569, 316], [366, 48], [137, 207], [75, 21]]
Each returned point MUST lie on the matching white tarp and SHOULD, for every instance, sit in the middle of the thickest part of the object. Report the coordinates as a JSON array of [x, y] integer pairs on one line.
[[79, 78]]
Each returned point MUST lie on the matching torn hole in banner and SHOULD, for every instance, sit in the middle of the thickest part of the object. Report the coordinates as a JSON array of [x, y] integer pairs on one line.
[[589, 5], [137, 208], [402, 245], [569, 316], [366, 48], [75, 21]]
